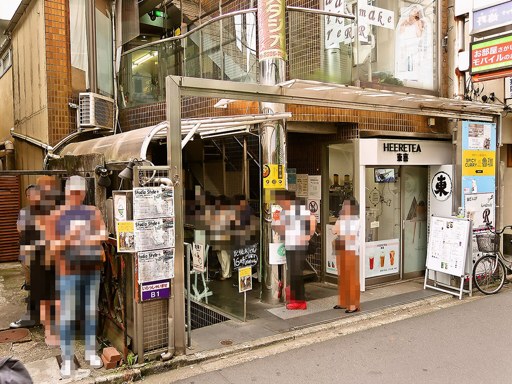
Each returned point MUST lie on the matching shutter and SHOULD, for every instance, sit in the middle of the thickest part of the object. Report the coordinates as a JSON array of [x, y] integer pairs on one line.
[[9, 208]]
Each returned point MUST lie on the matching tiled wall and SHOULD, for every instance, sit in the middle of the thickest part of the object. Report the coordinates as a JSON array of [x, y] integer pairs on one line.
[[58, 69]]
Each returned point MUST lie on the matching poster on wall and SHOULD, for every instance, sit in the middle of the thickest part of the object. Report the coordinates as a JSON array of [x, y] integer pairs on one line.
[[480, 209], [244, 279], [153, 234], [414, 48], [120, 207], [155, 265], [330, 253], [314, 187], [292, 179], [276, 253], [302, 185], [125, 236], [153, 202], [382, 257]]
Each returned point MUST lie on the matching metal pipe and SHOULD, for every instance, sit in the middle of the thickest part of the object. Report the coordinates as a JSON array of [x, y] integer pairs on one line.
[[90, 20], [114, 65], [189, 310], [320, 12]]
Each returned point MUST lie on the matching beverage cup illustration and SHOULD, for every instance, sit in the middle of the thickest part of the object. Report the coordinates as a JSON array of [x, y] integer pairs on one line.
[[392, 257], [372, 261], [382, 259]]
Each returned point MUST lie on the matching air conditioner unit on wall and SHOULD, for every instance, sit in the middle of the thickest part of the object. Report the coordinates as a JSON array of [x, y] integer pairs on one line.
[[95, 111]]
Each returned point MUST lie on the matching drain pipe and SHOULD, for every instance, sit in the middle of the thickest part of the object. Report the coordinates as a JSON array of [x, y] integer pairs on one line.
[[90, 20]]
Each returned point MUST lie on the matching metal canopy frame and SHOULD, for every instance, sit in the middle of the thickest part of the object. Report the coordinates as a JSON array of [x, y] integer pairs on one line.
[[291, 92], [315, 93]]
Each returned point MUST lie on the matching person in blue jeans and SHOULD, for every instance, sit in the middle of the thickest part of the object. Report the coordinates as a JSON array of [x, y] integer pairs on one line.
[[78, 231]]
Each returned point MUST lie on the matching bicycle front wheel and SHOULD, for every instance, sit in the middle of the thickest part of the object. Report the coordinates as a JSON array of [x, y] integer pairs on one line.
[[489, 274]]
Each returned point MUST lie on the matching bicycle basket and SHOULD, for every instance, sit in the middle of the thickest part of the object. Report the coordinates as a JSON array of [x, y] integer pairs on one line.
[[488, 242]]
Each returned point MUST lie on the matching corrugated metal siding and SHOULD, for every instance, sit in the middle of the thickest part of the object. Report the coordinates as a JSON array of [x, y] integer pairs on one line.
[[9, 209]]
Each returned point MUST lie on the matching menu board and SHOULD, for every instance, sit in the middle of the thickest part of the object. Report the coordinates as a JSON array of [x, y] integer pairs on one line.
[[448, 241], [153, 202]]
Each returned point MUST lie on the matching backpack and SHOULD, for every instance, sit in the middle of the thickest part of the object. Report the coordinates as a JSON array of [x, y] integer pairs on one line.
[[13, 371]]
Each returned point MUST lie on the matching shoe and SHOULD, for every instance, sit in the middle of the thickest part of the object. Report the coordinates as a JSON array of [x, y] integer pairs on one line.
[[22, 324], [297, 305], [66, 369], [338, 307], [352, 310], [95, 361]]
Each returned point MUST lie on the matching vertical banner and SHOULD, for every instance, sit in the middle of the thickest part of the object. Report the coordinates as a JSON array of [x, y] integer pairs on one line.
[[271, 29]]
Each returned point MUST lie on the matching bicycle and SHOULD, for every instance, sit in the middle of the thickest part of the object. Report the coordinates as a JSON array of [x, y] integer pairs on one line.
[[490, 269]]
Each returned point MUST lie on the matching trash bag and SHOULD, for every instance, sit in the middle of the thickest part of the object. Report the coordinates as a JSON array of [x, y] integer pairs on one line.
[[13, 371]]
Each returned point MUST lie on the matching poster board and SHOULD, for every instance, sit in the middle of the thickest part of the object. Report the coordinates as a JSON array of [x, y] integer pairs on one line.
[[449, 251]]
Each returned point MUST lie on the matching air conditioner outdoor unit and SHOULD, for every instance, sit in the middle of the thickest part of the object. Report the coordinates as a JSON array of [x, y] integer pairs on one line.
[[95, 111]]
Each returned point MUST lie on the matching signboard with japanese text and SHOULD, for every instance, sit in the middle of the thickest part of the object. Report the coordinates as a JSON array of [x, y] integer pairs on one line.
[[314, 187], [198, 263], [155, 290], [480, 209], [245, 256], [491, 19], [302, 185], [491, 54], [271, 28], [155, 265], [274, 176]]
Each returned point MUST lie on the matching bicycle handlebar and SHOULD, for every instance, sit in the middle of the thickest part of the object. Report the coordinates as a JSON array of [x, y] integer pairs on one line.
[[499, 232]]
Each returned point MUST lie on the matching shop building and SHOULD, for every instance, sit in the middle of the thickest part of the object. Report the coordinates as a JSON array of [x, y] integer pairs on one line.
[[207, 107]]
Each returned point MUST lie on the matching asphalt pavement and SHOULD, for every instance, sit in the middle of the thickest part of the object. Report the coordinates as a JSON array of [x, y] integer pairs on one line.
[[468, 342]]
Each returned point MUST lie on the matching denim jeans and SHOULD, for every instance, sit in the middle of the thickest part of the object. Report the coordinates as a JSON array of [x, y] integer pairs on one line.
[[72, 288]]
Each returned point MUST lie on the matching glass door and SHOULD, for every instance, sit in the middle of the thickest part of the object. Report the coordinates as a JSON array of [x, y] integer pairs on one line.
[[383, 224], [414, 186]]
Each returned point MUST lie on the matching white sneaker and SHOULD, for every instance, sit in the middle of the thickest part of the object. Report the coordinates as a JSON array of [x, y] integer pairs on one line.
[[22, 323], [66, 369], [95, 361]]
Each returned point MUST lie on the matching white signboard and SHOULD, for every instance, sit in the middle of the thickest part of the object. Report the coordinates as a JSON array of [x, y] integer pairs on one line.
[[380, 17], [448, 244], [479, 208], [198, 257], [315, 187], [155, 265], [335, 29], [152, 202], [120, 207], [302, 185], [151, 234], [382, 257], [508, 88]]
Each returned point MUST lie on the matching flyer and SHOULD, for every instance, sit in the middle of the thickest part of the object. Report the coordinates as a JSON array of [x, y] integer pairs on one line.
[[151, 234], [244, 279], [155, 265], [125, 236], [153, 202], [198, 257]]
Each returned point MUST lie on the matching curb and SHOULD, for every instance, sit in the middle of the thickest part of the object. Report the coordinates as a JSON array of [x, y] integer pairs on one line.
[[139, 372]]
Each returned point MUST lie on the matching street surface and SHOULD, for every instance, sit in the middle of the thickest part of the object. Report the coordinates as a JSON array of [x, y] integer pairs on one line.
[[467, 343]]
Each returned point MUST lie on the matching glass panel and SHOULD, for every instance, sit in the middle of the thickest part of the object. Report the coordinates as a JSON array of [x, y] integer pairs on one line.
[[223, 50], [396, 43], [319, 46], [382, 246], [415, 188], [104, 54]]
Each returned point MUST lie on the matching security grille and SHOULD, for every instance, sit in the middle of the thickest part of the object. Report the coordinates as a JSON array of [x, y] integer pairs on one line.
[[202, 316], [156, 325]]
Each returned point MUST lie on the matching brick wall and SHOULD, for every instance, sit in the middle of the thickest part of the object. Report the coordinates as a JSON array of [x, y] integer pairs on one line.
[[58, 69]]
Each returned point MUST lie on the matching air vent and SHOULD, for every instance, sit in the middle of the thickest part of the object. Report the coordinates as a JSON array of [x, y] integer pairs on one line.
[[96, 111]]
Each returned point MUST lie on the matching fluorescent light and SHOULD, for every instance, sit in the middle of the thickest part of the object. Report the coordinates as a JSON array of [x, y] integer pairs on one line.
[[144, 58]]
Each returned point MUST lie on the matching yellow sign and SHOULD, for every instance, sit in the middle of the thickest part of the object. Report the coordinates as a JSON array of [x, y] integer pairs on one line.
[[125, 236], [274, 176], [244, 279], [478, 163]]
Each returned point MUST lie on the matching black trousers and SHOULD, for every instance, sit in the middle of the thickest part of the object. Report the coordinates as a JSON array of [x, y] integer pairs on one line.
[[296, 259]]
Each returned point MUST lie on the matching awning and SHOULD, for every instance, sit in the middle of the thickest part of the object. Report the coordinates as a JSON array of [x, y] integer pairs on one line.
[[314, 93], [134, 144]]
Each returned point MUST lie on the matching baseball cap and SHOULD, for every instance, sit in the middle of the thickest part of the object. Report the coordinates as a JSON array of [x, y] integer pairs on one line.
[[76, 183]]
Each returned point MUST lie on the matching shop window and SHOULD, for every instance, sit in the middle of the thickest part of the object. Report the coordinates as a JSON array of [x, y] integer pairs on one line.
[[5, 62], [396, 43]]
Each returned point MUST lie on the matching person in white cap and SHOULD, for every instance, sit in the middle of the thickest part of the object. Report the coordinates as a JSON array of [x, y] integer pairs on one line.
[[78, 231]]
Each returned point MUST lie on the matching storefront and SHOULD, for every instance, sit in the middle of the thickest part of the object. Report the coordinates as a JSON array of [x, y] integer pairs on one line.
[[391, 181]]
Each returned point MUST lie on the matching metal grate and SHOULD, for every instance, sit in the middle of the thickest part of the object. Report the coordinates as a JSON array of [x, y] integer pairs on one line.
[[202, 316], [156, 325]]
